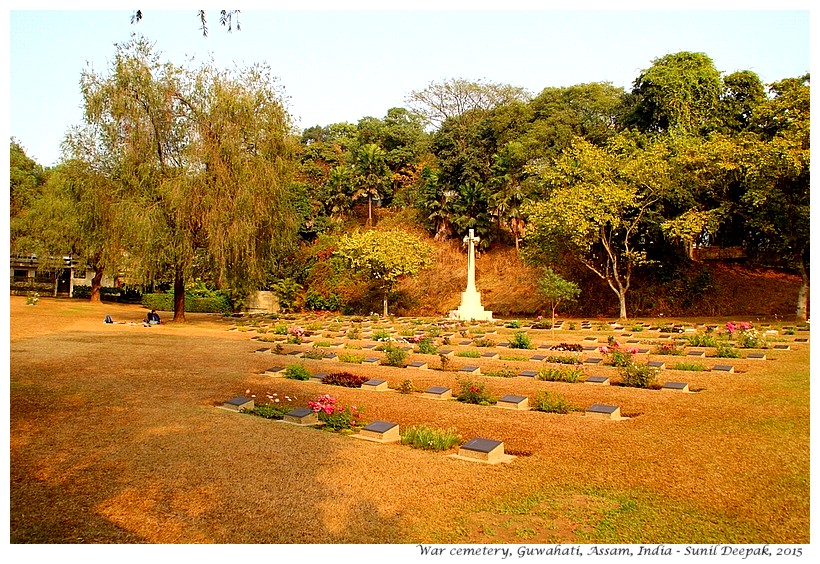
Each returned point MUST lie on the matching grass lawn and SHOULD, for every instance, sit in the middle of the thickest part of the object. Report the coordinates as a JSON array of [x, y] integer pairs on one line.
[[115, 437]]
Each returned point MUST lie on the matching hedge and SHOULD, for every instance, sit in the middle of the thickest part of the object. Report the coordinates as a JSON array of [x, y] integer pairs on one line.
[[165, 302]]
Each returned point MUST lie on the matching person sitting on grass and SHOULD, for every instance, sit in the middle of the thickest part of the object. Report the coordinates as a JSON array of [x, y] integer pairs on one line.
[[152, 318]]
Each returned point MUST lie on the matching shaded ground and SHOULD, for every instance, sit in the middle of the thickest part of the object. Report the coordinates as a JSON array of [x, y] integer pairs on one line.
[[115, 438]]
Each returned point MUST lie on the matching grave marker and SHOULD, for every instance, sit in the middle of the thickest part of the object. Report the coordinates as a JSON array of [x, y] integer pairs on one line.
[[372, 360], [302, 416], [376, 385], [676, 386], [421, 365], [296, 354], [511, 401], [274, 371], [238, 404], [446, 352], [756, 356], [471, 369], [380, 432], [262, 351], [656, 364], [599, 380], [723, 368], [538, 357], [490, 355], [601, 411], [318, 377], [528, 373], [483, 450], [438, 392], [781, 347], [699, 354], [593, 360]]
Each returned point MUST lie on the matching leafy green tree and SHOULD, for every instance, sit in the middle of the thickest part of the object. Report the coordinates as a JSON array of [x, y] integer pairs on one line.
[[743, 94], [506, 184], [453, 98], [384, 257], [26, 178], [679, 92], [202, 162], [372, 176], [593, 211], [556, 289]]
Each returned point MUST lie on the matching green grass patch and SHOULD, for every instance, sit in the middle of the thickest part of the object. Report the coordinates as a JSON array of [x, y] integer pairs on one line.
[[429, 438]]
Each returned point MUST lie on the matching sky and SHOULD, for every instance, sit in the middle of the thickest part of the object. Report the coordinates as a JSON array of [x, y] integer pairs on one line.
[[361, 60]]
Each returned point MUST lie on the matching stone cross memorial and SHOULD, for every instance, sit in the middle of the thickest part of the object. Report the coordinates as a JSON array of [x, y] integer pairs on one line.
[[471, 308]]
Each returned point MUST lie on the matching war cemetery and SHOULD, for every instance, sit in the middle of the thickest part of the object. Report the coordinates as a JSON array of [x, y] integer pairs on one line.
[[573, 318]]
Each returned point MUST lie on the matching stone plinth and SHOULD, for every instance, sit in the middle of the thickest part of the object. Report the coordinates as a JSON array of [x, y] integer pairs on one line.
[[238, 404], [301, 416], [380, 432]]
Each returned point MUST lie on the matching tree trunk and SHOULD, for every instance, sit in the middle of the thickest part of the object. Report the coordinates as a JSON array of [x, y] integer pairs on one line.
[[803, 296], [179, 296], [622, 302], [370, 211], [385, 305], [96, 286]]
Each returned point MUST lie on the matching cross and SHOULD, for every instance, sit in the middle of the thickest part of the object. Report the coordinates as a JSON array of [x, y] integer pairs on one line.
[[472, 240]]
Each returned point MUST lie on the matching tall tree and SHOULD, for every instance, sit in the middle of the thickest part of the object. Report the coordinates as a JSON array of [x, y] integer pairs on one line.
[[679, 92], [372, 175], [201, 160], [594, 211], [384, 257]]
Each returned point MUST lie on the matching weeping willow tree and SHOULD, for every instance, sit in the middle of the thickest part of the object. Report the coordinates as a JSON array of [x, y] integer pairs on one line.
[[201, 159]]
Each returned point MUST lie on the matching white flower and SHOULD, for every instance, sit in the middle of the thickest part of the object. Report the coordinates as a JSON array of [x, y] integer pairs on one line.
[[276, 400]]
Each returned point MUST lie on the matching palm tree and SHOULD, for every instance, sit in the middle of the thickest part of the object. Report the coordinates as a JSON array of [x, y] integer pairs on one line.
[[372, 175]]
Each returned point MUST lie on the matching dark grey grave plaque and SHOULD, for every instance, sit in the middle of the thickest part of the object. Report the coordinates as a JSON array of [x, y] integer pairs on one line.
[[656, 364], [643, 351], [437, 390], [417, 364], [406, 349], [538, 357], [801, 340], [379, 426], [757, 356], [465, 343], [512, 398], [589, 348], [696, 353], [675, 385], [601, 408], [262, 350], [239, 401], [781, 347], [503, 344], [369, 347], [597, 379], [489, 355], [481, 445], [803, 329], [590, 338], [593, 361], [491, 332], [374, 382], [626, 334], [330, 356], [528, 373], [296, 353], [543, 346], [319, 376], [723, 368], [371, 360], [300, 412], [274, 369], [469, 368]]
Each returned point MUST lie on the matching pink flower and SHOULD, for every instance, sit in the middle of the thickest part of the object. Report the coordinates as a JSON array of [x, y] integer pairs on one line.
[[603, 349], [632, 351], [744, 325], [730, 327]]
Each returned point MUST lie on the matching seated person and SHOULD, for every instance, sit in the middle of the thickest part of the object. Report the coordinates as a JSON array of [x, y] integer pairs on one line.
[[153, 318]]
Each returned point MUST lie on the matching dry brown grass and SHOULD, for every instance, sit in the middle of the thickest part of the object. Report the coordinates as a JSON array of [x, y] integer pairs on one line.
[[115, 437]]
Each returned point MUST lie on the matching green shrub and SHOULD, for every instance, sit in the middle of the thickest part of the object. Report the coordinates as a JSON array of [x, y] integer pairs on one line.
[[569, 374], [395, 356], [483, 342], [469, 354], [473, 392], [563, 359], [670, 348], [551, 403], [381, 335], [354, 334], [512, 357], [726, 350], [426, 346], [428, 438], [345, 379], [619, 358], [314, 354], [693, 366], [514, 324], [750, 339], [702, 340], [505, 372], [406, 387], [638, 375], [316, 302], [351, 358], [520, 341], [268, 411], [637, 328]]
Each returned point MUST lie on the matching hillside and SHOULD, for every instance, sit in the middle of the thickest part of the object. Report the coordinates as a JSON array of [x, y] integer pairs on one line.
[[509, 288]]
